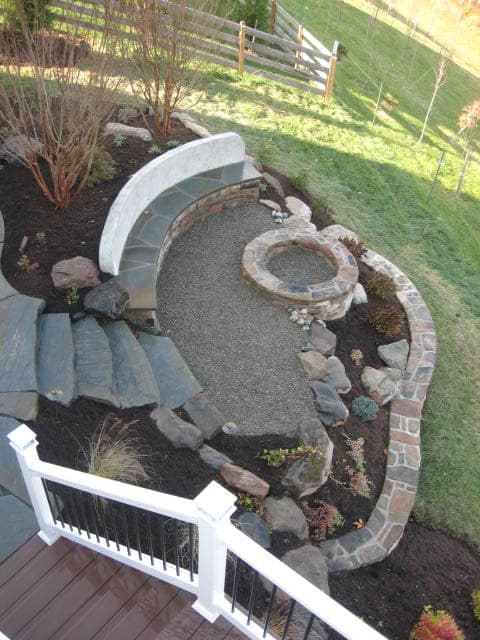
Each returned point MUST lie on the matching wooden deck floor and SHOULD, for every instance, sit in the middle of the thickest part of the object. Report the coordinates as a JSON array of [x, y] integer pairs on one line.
[[68, 592]]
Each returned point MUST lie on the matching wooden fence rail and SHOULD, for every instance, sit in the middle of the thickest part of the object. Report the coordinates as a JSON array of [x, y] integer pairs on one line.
[[289, 55]]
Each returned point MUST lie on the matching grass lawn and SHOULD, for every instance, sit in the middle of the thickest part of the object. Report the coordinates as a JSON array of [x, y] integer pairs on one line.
[[376, 183]]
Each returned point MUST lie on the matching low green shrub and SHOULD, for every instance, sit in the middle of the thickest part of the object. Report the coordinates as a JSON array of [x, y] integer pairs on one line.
[[386, 319], [103, 168], [365, 408], [380, 285], [255, 13], [436, 625]]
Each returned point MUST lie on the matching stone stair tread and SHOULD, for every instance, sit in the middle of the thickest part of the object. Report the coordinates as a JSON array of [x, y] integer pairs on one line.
[[19, 404], [55, 358], [176, 382], [18, 338], [135, 382], [93, 361], [10, 474]]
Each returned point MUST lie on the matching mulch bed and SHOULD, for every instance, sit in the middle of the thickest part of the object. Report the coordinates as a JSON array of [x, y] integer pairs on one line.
[[428, 567]]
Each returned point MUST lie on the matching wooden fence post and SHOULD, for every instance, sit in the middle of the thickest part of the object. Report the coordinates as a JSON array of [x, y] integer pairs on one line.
[[273, 16], [331, 71], [241, 47], [298, 55]]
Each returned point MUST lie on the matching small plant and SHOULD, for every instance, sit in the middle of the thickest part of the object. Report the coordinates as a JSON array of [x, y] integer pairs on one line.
[[250, 503], [436, 625], [114, 454], [358, 483], [476, 604], [155, 150], [265, 152], [72, 296], [40, 239], [263, 187], [357, 357], [127, 113], [26, 264], [365, 408], [300, 180], [389, 102], [119, 140], [102, 169], [357, 249], [277, 457], [386, 319], [172, 144], [324, 518], [381, 285], [355, 450]]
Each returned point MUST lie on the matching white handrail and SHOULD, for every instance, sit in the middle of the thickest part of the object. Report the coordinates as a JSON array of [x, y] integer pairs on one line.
[[210, 511]]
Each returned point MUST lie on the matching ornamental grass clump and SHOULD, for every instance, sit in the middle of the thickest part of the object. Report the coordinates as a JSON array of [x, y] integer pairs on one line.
[[476, 604], [365, 408], [386, 319], [380, 285], [436, 625]]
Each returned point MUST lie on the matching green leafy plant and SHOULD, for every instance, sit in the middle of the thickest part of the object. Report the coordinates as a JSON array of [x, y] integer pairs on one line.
[[300, 180], [277, 457], [365, 408], [72, 296], [103, 168], [155, 150], [26, 264], [171, 144], [255, 13], [35, 13], [250, 503], [386, 319], [324, 518], [127, 113], [380, 285], [476, 604], [119, 140], [357, 249], [40, 239], [436, 625]]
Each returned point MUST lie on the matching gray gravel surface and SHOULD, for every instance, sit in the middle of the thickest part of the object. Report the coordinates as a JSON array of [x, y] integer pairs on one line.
[[241, 348], [301, 266]]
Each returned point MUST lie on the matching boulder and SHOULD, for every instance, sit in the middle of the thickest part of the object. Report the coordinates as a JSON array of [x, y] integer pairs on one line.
[[177, 431], [19, 148], [274, 183], [282, 514], [256, 163], [307, 474], [336, 231], [108, 299], [244, 480], [197, 128], [336, 376], [314, 364], [379, 385], [331, 410], [252, 525], [359, 294], [271, 205], [311, 431], [119, 129], [299, 224], [392, 373], [323, 340], [77, 272], [212, 457], [395, 354], [205, 415], [298, 208]]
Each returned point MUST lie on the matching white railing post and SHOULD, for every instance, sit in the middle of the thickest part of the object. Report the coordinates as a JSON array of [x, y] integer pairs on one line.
[[215, 505], [24, 442]]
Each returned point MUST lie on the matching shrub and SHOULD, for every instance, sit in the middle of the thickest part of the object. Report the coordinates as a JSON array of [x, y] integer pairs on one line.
[[119, 140], [476, 604], [300, 180], [380, 285], [325, 518], [386, 319], [127, 113], [357, 249], [365, 408], [102, 169], [255, 13], [36, 12], [436, 625]]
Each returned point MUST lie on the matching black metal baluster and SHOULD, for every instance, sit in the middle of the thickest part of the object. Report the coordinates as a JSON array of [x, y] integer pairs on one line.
[[84, 515], [309, 626], [175, 539], [190, 544], [269, 610], [137, 534], [125, 528], [236, 577], [102, 517], [150, 540], [289, 618], [52, 511], [75, 513], [93, 514], [59, 510], [251, 600], [67, 509], [115, 530], [162, 544]]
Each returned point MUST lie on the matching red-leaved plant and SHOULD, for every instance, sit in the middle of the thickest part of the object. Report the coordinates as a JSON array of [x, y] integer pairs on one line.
[[325, 518], [436, 625]]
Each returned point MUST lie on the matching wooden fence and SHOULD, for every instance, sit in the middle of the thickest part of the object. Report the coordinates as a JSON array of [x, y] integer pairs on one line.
[[289, 55]]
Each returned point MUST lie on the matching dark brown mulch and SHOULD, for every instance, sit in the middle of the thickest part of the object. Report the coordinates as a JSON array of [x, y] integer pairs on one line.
[[72, 232]]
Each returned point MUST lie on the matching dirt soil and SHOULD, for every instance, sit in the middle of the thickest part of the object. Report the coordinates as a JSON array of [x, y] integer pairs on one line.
[[428, 567]]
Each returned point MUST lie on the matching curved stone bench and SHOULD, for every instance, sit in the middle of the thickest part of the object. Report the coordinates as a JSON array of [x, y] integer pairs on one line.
[[384, 528], [162, 201]]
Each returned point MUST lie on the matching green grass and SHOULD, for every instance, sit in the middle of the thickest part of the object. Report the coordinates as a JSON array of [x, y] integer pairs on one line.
[[377, 183]]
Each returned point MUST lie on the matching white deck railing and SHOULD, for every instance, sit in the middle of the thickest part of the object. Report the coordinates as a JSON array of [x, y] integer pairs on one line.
[[84, 508]]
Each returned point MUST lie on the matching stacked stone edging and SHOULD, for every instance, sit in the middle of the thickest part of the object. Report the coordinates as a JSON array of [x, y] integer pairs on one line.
[[387, 521]]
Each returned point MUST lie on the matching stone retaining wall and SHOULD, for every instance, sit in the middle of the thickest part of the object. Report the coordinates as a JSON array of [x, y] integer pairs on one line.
[[385, 526]]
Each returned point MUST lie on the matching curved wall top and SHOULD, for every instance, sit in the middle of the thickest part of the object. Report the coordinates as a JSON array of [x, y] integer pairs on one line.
[[156, 177]]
